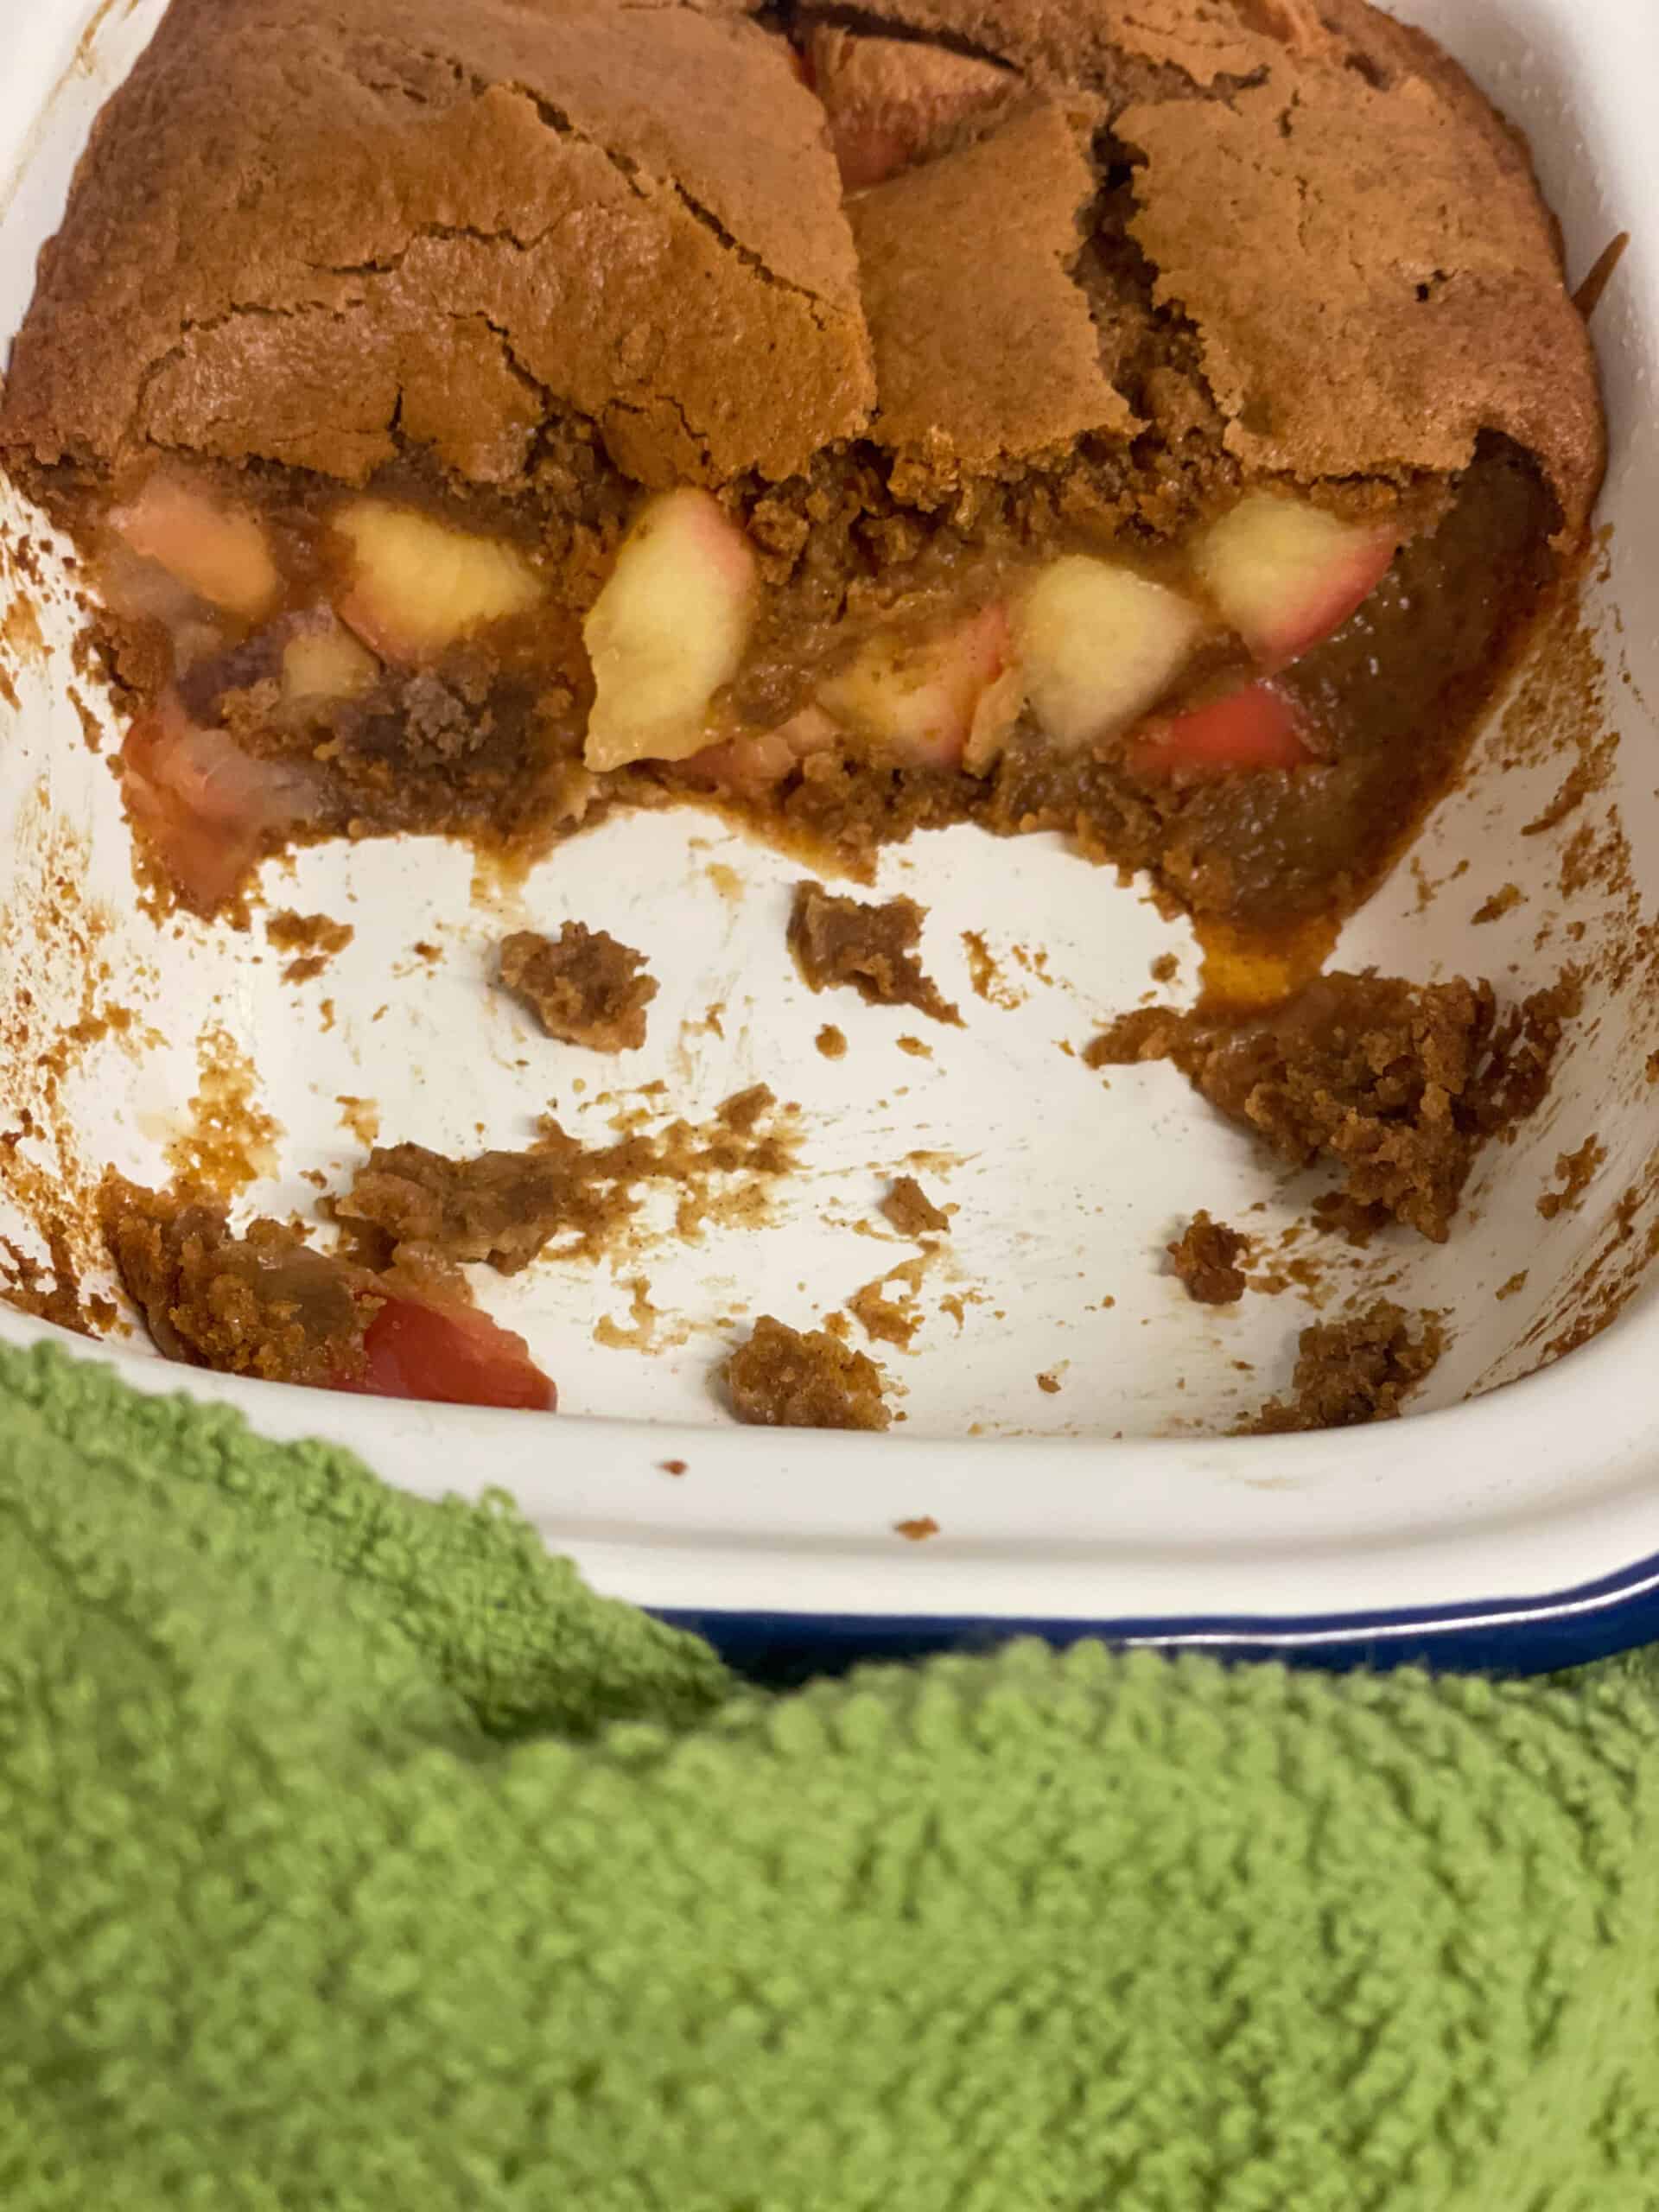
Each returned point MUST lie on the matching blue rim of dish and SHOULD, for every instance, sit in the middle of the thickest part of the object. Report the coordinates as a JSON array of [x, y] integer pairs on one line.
[[1507, 1636]]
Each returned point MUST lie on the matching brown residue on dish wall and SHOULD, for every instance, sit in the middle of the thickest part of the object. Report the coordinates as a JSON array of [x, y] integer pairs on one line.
[[1576, 1172], [53, 1010], [985, 976], [359, 1117], [919, 1530], [1588, 297]]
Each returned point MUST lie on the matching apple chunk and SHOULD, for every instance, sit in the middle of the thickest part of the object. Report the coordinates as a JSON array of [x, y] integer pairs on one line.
[[321, 662], [207, 807], [1286, 575], [918, 697], [1248, 730], [757, 761], [892, 102], [417, 586], [448, 1356], [216, 551], [668, 631], [1098, 645]]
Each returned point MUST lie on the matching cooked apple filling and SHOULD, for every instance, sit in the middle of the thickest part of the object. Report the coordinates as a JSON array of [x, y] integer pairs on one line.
[[333, 653]]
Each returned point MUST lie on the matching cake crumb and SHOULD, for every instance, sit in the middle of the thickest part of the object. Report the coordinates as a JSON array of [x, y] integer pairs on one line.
[[1348, 1373], [673, 1466], [1204, 1259], [584, 986], [313, 939], [882, 1320], [783, 1378], [841, 942], [916, 1047], [1515, 1286], [1578, 1171], [1049, 1382], [1166, 968], [831, 1042], [909, 1210], [919, 1530], [1395, 1084]]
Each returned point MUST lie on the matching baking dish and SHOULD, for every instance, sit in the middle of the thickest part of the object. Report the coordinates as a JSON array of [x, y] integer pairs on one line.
[[1064, 1406]]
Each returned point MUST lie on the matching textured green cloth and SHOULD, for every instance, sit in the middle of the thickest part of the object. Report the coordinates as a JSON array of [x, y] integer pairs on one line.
[[353, 1855]]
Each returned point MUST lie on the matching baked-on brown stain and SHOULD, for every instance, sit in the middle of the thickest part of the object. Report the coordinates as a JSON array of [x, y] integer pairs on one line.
[[1576, 1171]]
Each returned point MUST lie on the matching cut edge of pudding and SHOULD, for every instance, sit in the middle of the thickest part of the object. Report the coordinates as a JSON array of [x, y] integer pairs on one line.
[[392, 526]]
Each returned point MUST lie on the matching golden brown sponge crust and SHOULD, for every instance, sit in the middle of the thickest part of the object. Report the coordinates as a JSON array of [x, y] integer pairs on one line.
[[307, 234]]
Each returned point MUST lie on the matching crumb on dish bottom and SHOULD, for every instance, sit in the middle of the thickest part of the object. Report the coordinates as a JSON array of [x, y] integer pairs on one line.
[[1395, 1084], [1356, 1370], [786, 1378]]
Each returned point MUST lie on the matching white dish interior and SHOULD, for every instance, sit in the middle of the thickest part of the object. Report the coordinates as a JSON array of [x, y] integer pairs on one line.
[[1067, 1186]]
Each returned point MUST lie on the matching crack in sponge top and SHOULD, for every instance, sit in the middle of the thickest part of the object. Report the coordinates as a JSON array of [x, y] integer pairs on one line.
[[315, 236]]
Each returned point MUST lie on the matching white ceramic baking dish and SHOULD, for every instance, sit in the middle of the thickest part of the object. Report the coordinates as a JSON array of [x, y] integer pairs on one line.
[[1509, 1518]]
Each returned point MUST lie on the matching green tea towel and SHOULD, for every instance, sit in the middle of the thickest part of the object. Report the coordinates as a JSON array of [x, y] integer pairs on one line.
[[353, 1855]]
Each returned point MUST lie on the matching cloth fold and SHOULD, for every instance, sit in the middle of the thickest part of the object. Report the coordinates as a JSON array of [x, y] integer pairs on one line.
[[352, 1854]]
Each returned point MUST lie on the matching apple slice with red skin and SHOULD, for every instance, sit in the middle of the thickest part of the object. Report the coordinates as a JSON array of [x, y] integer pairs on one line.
[[449, 1355], [668, 630], [1286, 575], [207, 807], [919, 697], [417, 586], [1098, 644], [759, 761], [892, 102], [217, 551], [1250, 730]]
